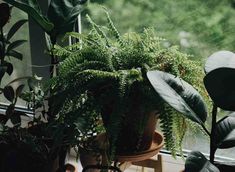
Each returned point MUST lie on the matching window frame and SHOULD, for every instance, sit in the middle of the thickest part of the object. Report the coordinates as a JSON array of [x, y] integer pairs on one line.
[[41, 65]]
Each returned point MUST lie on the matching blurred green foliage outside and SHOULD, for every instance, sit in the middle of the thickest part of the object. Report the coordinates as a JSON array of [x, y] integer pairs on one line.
[[198, 27]]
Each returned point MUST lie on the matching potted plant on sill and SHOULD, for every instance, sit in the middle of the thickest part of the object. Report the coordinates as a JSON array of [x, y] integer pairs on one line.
[[112, 72], [219, 82], [11, 120], [44, 142]]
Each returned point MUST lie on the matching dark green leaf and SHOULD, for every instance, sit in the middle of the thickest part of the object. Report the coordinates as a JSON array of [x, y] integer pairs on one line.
[[179, 94], [225, 132], [1, 128], [15, 54], [15, 119], [3, 69], [32, 8], [3, 119], [63, 14], [19, 90], [4, 14], [9, 93], [220, 84], [9, 68], [80, 123], [220, 59], [56, 102], [10, 110], [20, 113], [15, 44], [30, 82], [19, 79], [15, 28], [1, 49], [197, 162]]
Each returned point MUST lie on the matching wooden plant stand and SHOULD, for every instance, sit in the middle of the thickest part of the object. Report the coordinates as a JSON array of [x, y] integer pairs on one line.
[[155, 164], [143, 159]]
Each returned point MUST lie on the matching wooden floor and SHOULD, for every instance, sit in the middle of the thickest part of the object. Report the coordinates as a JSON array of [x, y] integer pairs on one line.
[[169, 165]]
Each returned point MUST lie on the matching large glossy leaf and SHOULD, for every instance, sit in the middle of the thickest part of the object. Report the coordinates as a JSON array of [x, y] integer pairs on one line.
[[197, 162], [32, 8], [220, 59], [179, 94], [225, 132], [63, 15], [220, 84]]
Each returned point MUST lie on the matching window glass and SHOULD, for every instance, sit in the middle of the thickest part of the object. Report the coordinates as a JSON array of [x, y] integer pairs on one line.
[[199, 28]]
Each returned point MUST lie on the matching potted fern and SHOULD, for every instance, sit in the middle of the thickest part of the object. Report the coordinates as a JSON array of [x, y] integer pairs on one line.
[[110, 70]]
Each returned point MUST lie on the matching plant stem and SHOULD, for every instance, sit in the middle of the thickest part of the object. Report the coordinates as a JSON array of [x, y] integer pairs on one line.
[[3, 47], [212, 137], [53, 68], [53, 73], [205, 129]]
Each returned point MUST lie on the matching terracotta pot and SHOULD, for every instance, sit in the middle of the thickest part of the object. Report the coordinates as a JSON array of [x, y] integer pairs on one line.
[[130, 140], [137, 128], [88, 157], [137, 123]]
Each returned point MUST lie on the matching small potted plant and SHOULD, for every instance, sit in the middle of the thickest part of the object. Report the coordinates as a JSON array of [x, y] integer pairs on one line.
[[42, 144], [10, 122], [110, 70], [219, 82]]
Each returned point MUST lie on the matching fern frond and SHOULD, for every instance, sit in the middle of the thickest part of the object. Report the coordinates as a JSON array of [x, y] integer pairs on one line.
[[166, 124], [127, 78], [98, 30], [122, 83], [179, 128], [74, 35], [86, 58], [61, 52], [97, 76], [113, 29]]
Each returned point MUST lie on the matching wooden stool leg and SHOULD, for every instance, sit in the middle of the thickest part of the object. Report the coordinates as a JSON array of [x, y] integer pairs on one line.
[[151, 163], [158, 166], [143, 169]]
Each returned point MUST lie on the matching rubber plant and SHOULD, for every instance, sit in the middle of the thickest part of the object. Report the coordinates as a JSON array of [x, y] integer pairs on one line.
[[111, 70], [220, 83], [46, 137]]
